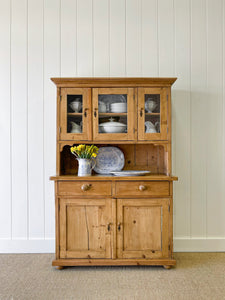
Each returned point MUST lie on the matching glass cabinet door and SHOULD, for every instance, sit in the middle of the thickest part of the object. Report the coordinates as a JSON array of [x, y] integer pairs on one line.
[[75, 114], [152, 114], [113, 113]]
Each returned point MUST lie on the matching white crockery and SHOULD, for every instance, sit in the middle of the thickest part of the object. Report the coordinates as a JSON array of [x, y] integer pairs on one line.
[[76, 105], [75, 128], [129, 173], [102, 107], [150, 105], [112, 127], [120, 107]]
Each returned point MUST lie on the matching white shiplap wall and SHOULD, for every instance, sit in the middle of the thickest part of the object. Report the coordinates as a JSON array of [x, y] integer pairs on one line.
[[51, 38]]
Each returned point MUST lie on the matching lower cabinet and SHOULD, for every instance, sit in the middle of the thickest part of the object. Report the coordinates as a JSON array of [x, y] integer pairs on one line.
[[142, 228], [87, 228]]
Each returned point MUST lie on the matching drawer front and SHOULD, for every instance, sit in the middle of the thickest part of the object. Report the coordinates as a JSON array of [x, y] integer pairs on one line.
[[85, 188], [142, 188]]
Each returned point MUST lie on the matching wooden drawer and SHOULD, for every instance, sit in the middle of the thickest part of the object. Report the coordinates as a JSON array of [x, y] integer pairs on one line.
[[142, 188], [85, 188]]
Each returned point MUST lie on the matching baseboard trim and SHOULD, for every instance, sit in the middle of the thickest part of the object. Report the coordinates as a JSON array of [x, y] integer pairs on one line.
[[48, 245], [199, 244], [27, 246]]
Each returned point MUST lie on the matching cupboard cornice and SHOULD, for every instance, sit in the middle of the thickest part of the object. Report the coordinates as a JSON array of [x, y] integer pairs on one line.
[[114, 82]]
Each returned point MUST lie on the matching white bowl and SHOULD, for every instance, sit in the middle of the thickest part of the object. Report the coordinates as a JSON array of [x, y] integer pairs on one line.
[[119, 107], [112, 127], [119, 110]]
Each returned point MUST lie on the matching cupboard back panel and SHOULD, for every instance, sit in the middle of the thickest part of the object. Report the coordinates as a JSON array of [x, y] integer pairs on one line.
[[137, 157]]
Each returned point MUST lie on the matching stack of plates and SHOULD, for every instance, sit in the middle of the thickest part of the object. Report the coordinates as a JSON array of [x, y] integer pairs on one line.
[[119, 107]]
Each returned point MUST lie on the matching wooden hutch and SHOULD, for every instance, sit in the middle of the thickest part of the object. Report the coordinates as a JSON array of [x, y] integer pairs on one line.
[[104, 219]]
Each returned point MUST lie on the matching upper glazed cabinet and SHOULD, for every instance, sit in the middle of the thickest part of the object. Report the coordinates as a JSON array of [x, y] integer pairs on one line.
[[113, 114]]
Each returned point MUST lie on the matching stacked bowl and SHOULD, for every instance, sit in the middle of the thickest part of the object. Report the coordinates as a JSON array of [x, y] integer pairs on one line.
[[119, 107]]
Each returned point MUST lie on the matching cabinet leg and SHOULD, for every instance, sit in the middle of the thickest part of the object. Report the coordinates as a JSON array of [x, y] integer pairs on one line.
[[167, 267], [59, 267]]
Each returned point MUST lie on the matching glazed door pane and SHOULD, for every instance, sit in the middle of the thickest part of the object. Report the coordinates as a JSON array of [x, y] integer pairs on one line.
[[152, 118], [113, 113], [75, 114]]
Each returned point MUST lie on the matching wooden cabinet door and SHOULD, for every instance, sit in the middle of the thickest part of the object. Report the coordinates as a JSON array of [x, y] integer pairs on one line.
[[85, 228], [152, 114], [118, 106], [75, 114], [142, 229]]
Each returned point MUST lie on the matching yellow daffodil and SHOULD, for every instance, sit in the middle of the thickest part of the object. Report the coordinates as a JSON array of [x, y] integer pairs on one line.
[[84, 151]]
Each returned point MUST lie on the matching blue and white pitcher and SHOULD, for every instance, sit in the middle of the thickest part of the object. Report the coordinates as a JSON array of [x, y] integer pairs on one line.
[[85, 166]]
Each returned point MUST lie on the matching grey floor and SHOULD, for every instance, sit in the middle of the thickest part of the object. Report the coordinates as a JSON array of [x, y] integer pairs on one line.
[[31, 276]]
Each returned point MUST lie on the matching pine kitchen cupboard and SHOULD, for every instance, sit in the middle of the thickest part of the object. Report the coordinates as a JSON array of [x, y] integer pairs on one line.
[[105, 219]]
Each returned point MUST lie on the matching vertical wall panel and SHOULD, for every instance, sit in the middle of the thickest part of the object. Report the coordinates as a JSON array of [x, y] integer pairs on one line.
[[5, 120], [51, 69], [215, 200], [68, 38], [84, 38], [132, 38], [198, 120], [100, 38], [149, 38], [117, 38], [166, 38], [35, 119], [181, 112], [223, 98], [19, 118], [51, 38]]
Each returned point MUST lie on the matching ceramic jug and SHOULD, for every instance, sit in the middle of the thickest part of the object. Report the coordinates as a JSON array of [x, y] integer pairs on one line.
[[85, 166], [75, 127], [150, 127]]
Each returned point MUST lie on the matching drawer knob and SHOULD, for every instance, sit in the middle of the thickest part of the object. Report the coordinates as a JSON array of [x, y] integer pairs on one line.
[[85, 187], [142, 187]]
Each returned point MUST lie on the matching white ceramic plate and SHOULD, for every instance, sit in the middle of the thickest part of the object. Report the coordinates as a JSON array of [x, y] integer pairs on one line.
[[109, 159], [130, 173]]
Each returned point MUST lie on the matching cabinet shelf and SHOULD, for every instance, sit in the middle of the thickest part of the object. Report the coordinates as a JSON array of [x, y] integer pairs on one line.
[[75, 114], [152, 114], [111, 114]]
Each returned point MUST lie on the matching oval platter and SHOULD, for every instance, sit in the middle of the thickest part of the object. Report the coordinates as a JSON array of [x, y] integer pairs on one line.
[[109, 159]]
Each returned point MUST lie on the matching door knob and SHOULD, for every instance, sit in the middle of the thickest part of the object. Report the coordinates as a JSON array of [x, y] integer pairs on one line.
[[85, 187], [142, 187]]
